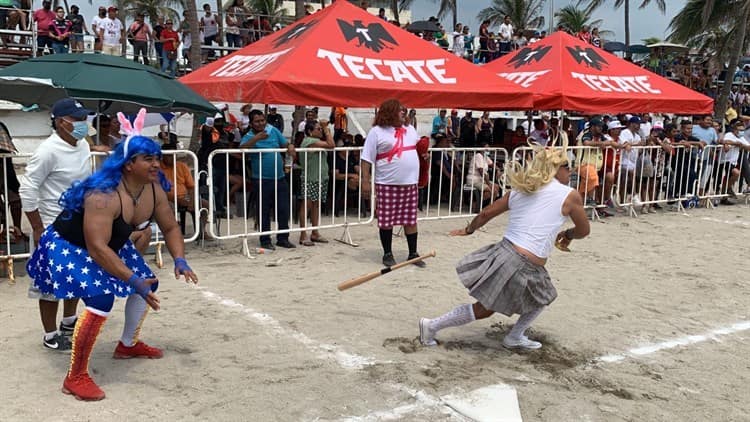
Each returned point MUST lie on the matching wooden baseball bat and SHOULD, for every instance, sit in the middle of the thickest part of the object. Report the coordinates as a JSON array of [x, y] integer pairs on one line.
[[356, 281]]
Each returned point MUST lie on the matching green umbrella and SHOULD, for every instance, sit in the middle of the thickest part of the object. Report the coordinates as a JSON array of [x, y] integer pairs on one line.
[[101, 82]]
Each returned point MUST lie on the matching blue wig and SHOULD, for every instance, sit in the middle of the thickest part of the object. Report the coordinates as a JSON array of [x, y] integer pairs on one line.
[[109, 175]]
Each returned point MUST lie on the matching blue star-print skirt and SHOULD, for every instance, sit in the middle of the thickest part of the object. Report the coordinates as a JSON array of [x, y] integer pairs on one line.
[[67, 271]]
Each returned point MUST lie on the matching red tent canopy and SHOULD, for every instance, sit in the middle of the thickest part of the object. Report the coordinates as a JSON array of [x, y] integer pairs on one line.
[[565, 73], [343, 55]]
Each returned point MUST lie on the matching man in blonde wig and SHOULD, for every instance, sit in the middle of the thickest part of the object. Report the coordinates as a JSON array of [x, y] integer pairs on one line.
[[509, 276]]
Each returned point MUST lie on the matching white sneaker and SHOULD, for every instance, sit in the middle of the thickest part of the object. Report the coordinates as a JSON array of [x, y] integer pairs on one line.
[[521, 343], [637, 201], [426, 336]]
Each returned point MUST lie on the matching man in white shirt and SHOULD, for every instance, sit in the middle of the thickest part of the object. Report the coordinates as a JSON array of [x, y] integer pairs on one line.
[[629, 138], [506, 35], [59, 161], [111, 32], [309, 115], [727, 172], [96, 26], [210, 27]]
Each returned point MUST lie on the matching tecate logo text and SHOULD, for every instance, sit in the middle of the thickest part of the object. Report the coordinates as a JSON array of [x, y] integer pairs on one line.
[[413, 71]]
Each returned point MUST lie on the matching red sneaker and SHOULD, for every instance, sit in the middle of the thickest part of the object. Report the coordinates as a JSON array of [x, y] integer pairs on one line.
[[82, 387], [138, 350]]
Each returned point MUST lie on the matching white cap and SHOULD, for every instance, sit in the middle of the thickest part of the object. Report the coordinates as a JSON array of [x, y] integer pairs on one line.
[[658, 124], [614, 124], [270, 106]]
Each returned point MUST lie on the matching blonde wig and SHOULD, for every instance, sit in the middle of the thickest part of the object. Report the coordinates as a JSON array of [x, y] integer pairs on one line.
[[538, 171]]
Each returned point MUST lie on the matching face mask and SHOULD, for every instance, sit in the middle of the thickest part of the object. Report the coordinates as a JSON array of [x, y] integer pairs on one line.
[[80, 129], [742, 133]]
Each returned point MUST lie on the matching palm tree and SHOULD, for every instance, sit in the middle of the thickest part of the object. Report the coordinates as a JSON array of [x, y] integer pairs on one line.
[[594, 4], [524, 14], [574, 19], [446, 6], [707, 20], [151, 8], [274, 9]]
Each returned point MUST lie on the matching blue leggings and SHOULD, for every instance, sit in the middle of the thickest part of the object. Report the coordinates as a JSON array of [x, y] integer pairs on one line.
[[101, 303], [104, 303]]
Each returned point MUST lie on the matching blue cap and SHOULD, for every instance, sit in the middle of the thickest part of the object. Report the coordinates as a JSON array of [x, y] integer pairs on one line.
[[635, 119], [69, 107]]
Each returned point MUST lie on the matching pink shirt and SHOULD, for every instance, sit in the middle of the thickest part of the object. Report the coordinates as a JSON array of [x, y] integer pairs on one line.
[[44, 18]]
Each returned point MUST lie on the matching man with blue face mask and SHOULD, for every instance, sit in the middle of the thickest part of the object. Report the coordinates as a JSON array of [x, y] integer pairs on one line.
[[59, 161]]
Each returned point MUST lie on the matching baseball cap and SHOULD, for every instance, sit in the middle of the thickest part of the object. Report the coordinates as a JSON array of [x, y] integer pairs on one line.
[[272, 106], [112, 9], [596, 122], [658, 125], [614, 124], [454, 111], [634, 119], [69, 107]]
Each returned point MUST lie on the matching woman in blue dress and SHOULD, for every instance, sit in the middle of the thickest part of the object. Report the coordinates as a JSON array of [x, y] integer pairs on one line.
[[86, 253]]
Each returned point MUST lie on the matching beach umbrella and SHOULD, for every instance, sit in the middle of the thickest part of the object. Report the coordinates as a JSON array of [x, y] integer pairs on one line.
[[638, 49], [102, 82], [613, 46], [668, 46], [423, 26]]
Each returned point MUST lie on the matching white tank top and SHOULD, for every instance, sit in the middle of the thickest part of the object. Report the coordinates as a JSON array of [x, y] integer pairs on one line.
[[535, 219]]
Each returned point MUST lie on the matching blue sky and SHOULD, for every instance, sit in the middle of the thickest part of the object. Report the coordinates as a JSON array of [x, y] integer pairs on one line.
[[644, 23]]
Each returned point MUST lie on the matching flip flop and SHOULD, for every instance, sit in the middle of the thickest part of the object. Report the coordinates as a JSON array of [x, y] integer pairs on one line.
[[319, 239], [307, 242]]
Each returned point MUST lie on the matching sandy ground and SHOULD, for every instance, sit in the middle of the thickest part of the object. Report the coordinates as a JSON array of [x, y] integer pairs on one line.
[[261, 343]]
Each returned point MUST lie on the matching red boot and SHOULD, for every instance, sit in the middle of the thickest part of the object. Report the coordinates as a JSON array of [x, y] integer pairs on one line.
[[78, 382], [138, 350]]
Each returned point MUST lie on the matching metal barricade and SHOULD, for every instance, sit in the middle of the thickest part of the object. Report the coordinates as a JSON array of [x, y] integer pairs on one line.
[[15, 244], [181, 205], [285, 187], [631, 178], [718, 174], [464, 179]]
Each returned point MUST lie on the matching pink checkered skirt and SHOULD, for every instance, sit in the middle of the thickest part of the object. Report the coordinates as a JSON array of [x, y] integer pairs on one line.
[[396, 205]]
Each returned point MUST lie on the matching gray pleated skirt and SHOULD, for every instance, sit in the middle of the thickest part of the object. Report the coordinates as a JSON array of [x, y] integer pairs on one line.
[[505, 281]]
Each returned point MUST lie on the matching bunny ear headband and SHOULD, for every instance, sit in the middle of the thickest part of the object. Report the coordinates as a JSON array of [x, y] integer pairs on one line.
[[131, 130]]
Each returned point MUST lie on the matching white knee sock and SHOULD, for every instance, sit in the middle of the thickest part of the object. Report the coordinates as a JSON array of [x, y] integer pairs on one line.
[[523, 323], [136, 309], [460, 315]]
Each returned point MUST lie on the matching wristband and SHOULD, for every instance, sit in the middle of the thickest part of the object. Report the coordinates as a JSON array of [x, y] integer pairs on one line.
[[181, 265], [140, 286], [568, 234]]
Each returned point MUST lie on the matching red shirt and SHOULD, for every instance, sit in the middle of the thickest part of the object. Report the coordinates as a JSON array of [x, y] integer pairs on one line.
[[44, 18], [168, 33]]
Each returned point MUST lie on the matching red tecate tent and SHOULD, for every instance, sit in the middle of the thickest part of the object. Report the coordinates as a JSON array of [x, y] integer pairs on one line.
[[565, 73], [343, 55]]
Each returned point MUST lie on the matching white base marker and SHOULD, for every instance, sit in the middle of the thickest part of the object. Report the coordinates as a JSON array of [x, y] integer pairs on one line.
[[494, 403], [682, 341]]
